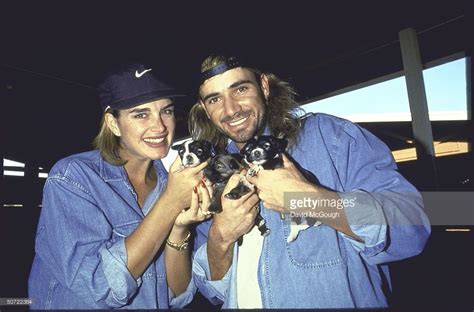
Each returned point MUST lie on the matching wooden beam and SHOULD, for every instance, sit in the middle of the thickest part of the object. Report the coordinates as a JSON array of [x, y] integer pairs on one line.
[[421, 124]]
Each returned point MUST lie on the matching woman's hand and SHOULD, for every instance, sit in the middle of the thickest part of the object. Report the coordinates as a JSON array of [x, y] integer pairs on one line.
[[200, 201], [181, 182]]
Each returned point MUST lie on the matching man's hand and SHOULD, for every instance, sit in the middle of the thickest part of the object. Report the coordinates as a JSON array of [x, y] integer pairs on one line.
[[237, 216], [236, 219], [272, 184]]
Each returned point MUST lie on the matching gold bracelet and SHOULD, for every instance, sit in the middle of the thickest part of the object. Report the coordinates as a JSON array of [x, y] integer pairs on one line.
[[183, 245]]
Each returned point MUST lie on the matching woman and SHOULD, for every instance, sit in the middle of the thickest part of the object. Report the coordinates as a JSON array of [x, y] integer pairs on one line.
[[113, 230]]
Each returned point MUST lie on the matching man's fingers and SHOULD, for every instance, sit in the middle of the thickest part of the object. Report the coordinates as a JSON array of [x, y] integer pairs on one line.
[[200, 167], [252, 202], [234, 180], [253, 212], [287, 163]]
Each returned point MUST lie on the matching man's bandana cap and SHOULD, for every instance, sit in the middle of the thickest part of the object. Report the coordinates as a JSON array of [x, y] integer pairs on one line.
[[230, 63]]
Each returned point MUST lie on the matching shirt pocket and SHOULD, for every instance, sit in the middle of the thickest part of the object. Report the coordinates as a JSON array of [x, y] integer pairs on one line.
[[316, 248]]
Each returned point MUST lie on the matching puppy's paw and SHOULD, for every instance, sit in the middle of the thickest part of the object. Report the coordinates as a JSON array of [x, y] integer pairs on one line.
[[253, 171], [247, 186], [295, 230], [262, 225]]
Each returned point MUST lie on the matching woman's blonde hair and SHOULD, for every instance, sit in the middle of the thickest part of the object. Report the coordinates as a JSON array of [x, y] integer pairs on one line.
[[280, 109], [107, 142]]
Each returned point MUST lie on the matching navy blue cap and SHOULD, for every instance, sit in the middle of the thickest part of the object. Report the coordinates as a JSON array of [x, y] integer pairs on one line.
[[133, 84]]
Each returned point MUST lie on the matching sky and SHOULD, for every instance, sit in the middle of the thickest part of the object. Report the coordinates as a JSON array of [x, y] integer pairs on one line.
[[388, 101]]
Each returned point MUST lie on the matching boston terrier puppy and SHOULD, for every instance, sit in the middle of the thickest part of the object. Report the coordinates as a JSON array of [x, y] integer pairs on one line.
[[220, 169], [265, 152], [192, 153]]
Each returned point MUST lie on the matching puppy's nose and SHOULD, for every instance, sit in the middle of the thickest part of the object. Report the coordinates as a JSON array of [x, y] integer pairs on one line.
[[257, 154], [189, 158]]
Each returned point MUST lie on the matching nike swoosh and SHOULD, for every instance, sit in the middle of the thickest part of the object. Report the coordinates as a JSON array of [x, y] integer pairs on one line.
[[138, 75]]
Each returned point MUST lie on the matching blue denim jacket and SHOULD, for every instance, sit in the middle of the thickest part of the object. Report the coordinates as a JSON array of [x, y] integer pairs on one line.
[[89, 208], [324, 268]]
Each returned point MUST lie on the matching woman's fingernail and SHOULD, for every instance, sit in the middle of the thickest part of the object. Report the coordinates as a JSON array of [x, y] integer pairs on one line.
[[195, 190], [202, 183]]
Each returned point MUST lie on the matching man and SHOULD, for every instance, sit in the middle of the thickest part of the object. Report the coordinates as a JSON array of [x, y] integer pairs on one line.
[[368, 214]]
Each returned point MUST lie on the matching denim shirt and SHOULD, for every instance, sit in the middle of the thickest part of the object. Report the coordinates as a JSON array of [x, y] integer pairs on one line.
[[89, 208], [324, 268]]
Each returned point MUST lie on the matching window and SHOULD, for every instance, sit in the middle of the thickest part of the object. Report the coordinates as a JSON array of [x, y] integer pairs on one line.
[[445, 87], [387, 101], [13, 168], [384, 101]]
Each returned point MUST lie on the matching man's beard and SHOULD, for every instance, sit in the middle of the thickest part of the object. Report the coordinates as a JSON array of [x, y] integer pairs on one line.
[[242, 136]]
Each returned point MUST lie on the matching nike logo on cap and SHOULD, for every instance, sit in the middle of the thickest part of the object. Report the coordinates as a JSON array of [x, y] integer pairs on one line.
[[138, 75]]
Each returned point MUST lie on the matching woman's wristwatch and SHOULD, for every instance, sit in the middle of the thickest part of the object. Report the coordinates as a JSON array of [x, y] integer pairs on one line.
[[182, 245]]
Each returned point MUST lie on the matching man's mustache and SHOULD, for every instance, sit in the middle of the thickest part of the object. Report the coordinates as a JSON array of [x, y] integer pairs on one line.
[[238, 115]]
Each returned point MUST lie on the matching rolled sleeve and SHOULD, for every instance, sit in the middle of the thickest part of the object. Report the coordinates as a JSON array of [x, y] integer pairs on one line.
[[114, 264], [215, 291], [366, 219], [184, 298], [389, 216]]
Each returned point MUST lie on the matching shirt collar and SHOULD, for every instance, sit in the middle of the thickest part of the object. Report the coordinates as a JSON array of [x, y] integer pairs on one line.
[[110, 172]]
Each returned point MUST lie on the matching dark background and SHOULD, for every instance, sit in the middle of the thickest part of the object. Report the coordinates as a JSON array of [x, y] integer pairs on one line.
[[54, 54]]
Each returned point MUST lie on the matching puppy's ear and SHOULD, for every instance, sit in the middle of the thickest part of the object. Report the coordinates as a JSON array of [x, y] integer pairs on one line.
[[216, 150], [207, 145], [244, 149], [176, 146], [235, 162], [282, 144], [210, 148], [250, 144], [238, 157]]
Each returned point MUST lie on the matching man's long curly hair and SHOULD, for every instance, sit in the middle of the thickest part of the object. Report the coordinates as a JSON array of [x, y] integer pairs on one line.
[[281, 110]]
